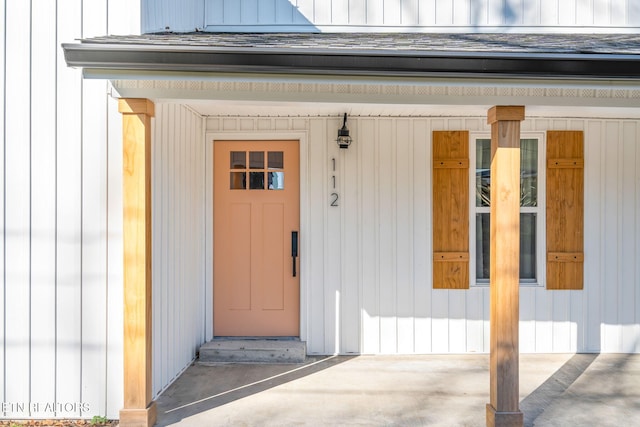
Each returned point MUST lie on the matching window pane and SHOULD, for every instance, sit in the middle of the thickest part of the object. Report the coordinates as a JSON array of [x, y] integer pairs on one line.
[[528, 246], [483, 241], [276, 160], [256, 180], [238, 181], [483, 172], [238, 160], [256, 160], [276, 180], [529, 172]]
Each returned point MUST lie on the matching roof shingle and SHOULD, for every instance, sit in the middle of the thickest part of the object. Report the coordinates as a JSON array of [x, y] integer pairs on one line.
[[614, 44]]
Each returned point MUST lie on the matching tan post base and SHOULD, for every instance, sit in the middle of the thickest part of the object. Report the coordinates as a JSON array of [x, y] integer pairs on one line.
[[139, 417], [503, 419]]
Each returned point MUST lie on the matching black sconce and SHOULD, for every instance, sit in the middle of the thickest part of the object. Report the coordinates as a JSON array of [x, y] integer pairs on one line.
[[344, 140]]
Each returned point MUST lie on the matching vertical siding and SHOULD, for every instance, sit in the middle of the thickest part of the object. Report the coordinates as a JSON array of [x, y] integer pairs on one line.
[[316, 240], [178, 254], [43, 203], [69, 216], [611, 223], [422, 265], [385, 207], [170, 15], [404, 228], [17, 207], [349, 183], [369, 284], [61, 257], [593, 207], [114, 264], [94, 238], [408, 15], [628, 233], [369, 238], [3, 120]]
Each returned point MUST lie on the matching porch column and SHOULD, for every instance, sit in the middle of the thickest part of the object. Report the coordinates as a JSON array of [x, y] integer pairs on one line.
[[503, 409], [139, 410]]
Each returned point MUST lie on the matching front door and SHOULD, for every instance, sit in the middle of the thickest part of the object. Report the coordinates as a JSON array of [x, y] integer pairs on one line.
[[256, 222]]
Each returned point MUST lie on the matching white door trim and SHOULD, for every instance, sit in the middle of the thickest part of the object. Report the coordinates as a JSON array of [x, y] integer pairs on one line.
[[301, 136]]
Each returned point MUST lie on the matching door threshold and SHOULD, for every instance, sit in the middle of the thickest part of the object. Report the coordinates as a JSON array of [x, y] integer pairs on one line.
[[267, 338]]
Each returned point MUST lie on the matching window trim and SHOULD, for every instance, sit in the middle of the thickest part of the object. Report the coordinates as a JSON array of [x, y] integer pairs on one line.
[[541, 246]]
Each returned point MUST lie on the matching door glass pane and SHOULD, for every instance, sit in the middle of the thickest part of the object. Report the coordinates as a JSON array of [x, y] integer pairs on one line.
[[483, 172], [529, 172], [528, 246], [276, 180], [256, 180], [238, 181], [256, 160], [276, 160], [483, 242], [238, 160]]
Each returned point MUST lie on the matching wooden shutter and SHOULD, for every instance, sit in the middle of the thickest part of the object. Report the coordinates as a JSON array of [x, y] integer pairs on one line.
[[565, 210], [451, 210]]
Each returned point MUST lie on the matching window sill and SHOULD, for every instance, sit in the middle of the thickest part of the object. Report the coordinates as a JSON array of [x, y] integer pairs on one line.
[[532, 284]]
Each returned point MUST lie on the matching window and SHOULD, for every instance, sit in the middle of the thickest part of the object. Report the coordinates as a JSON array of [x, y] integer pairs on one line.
[[274, 170], [552, 209], [531, 197]]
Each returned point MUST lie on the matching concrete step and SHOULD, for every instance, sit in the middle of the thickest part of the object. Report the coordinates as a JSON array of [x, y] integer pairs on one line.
[[258, 350]]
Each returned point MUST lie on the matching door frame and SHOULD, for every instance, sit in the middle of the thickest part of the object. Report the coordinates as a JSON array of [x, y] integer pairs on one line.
[[302, 138]]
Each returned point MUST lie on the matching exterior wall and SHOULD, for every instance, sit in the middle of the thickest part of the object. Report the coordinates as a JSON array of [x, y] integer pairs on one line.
[[179, 236], [179, 16], [392, 15], [61, 225], [366, 265]]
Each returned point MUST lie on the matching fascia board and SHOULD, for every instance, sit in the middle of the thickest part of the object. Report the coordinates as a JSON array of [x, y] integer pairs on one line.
[[368, 63]]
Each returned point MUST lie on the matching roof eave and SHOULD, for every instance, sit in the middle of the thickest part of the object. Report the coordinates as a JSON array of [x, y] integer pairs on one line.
[[383, 63]]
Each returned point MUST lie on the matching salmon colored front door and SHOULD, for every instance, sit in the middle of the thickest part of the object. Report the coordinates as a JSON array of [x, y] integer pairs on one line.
[[256, 223]]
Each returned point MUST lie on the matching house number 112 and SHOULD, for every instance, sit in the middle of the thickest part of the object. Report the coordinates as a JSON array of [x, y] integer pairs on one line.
[[334, 195]]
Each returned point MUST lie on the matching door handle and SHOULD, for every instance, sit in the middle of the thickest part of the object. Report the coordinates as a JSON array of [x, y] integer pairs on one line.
[[294, 250]]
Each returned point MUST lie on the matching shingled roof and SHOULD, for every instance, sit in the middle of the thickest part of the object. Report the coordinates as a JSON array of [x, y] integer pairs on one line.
[[600, 56]]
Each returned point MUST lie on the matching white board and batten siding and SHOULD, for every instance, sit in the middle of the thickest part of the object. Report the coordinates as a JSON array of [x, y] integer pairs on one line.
[[368, 283], [61, 185], [391, 15], [179, 236]]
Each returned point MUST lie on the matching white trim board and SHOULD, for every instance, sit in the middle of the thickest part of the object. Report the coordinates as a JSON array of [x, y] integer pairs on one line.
[[305, 261]]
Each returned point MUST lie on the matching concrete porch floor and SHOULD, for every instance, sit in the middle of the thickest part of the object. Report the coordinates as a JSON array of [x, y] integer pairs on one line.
[[431, 390]]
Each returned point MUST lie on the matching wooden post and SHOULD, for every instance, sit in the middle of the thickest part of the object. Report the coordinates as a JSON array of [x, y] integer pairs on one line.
[[503, 409], [139, 410]]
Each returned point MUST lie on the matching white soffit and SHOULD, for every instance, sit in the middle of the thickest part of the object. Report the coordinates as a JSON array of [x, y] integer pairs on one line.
[[320, 109], [228, 96], [217, 108]]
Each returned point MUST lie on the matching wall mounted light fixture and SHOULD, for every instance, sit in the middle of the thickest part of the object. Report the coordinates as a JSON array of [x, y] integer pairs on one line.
[[344, 140]]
